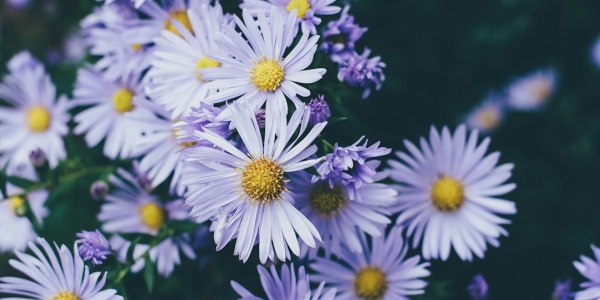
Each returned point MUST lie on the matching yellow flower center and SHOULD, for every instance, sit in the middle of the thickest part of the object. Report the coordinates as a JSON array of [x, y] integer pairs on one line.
[[370, 283], [182, 17], [177, 132], [18, 205], [541, 89], [447, 194], [301, 6], [65, 296], [152, 215], [262, 180], [123, 100], [136, 47], [206, 62], [489, 117], [38, 119], [326, 200], [267, 75]]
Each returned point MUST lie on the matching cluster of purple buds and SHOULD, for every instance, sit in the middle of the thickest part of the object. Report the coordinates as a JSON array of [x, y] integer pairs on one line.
[[93, 246], [351, 166], [202, 118], [340, 36], [319, 110], [358, 70]]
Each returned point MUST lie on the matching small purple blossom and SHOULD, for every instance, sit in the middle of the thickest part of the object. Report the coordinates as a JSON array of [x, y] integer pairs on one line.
[[562, 290], [261, 117], [37, 157], [93, 246], [358, 70], [351, 166], [202, 118], [478, 289], [99, 189], [340, 36], [319, 110]]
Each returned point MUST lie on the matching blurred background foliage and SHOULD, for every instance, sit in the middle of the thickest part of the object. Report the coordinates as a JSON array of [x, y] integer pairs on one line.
[[442, 58]]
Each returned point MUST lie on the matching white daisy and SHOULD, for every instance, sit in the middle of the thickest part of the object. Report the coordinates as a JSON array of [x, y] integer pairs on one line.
[[336, 216], [130, 208], [56, 274], [33, 119], [306, 10], [174, 81], [256, 68], [114, 115], [247, 193], [531, 92], [382, 272], [447, 194], [589, 267], [16, 228]]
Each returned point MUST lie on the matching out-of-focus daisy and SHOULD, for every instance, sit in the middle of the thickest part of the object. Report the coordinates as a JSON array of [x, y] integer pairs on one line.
[[532, 91], [174, 81], [130, 208], [165, 255], [289, 285], [307, 11], [256, 68], [351, 166], [562, 290], [56, 274], [337, 217], [34, 118], [247, 193], [478, 288], [382, 272], [595, 52], [114, 115], [137, 3], [16, 228], [340, 36], [589, 267], [358, 70], [487, 116], [448, 194], [18, 4]]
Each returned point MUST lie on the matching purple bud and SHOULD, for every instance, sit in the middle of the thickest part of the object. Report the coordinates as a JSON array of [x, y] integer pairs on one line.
[[93, 246], [562, 290], [261, 117], [319, 110], [37, 157], [99, 189], [478, 289]]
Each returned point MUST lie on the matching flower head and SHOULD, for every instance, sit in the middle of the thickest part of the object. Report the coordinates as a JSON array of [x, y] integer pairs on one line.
[[16, 228], [340, 36], [478, 288], [589, 267], [319, 110], [201, 119], [562, 290], [358, 70], [351, 166], [93, 246], [487, 116], [532, 91]]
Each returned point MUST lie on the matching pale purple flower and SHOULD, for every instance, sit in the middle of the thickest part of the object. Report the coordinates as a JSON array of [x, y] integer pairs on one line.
[[589, 267], [478, 288], [358, 70], [351, 166], [562, 290], [18, 4], [319, 110], [532, 91], [201, 119], [595, 52], [488, 115], [340, 36], [93, 246]]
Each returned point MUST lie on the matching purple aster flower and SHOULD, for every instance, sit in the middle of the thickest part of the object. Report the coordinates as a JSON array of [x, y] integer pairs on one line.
[[351, 166], [319, 110], [18, 4], [562, 290], [340, 36], [93, 246], [358, 70], [478, 289], [201, 119], [260, 117]]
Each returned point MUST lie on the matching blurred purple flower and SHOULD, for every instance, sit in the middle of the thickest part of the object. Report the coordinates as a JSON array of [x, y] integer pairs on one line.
[[37, 157], [319, 110], [358, 70], [562, 290], [202, 118], [351, 166], [340, 36], [478, 289], [93, 246], [18, 4]]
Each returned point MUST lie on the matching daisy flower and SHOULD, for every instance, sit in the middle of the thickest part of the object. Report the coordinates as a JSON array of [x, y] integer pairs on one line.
[[56, 274], [256, 68], [448, 193], [165, 255], [247, 194], [289, 285], [34, 118], [174, 81], [382, 272], [130, 208], [16, 228], [531, 92], [487, 116], [307, 11], [114, 115], [590, 269], [336, 217], [595, 52]]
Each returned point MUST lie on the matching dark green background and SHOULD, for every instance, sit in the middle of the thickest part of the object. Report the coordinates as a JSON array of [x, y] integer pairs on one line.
[[442, 58]]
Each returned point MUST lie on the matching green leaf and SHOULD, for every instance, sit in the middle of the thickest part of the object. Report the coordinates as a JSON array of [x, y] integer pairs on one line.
[[149, 273], [20, 182]]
